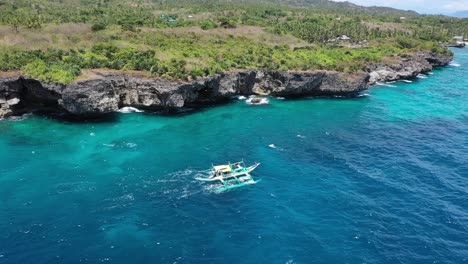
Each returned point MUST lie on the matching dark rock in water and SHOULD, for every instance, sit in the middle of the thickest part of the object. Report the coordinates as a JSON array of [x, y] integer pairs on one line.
[[107, 92], [255, 100]]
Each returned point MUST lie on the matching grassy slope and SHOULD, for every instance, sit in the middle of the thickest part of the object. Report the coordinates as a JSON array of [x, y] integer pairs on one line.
[[54, 40]]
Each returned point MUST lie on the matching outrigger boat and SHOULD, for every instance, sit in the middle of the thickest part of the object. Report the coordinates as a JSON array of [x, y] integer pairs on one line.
[[232, 176]]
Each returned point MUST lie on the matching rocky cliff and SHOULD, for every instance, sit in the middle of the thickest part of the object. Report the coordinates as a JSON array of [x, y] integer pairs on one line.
[[106, 92], [406, 67]]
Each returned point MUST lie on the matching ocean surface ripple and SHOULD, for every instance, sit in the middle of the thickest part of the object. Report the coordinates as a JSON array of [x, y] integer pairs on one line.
[[380, 178]]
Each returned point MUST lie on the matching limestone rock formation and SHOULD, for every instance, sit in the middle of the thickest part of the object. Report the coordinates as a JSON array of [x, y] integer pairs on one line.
[[407, 67], [106, 92]]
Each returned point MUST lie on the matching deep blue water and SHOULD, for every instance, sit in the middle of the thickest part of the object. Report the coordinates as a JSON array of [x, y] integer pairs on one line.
[[382, 178]]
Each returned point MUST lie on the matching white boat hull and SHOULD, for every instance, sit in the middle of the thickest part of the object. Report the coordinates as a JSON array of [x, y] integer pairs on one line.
[[229, 176]]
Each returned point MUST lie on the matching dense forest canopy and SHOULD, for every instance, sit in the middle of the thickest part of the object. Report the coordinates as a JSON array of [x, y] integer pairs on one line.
[[56, 39]]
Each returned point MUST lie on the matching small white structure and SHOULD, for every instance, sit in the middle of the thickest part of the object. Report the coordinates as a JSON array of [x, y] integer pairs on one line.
[[459, 39], [343, 38], [340, 38]]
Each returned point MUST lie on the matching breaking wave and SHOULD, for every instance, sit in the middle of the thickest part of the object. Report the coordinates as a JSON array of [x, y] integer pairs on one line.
[[129, 109], [254, 100]]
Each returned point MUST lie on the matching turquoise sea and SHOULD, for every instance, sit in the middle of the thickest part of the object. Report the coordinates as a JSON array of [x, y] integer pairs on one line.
[[380, 178]]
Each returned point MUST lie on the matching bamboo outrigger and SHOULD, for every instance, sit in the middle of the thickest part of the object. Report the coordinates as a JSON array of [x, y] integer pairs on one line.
[[232, 176]]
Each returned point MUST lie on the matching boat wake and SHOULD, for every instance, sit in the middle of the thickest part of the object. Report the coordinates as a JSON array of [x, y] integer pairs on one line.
[[75, 187], [211, 188], [202, 174], [177, 185]]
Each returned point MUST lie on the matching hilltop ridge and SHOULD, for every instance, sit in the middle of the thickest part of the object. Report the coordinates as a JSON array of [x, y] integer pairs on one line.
[[347, 7]]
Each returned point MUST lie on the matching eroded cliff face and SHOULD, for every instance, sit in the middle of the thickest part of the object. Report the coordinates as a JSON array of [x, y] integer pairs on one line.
[[19, 95], [407, 67], [106, 92], [10, 95]]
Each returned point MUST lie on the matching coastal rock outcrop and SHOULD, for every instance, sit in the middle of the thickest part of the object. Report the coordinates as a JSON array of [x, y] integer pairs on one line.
[[10, 94], [106, 92], [92, 97], [109, 91], [407, 67]]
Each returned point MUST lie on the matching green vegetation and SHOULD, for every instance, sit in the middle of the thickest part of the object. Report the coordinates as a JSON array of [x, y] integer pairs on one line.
[[182, 39], [54, 72]]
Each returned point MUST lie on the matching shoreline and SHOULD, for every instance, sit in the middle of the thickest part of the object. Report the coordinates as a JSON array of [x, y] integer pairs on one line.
[[107, 92]]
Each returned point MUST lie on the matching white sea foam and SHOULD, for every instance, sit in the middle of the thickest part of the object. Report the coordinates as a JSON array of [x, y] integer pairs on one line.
[[17, 118], [211, 188], [75, 187], [131, 145], [273, 146], [241, 97], [280, 98], [253, 100], [185, 172], [421, 76], [384, 84], [407, 81], [300, 136], [123, 198], [128, 109], [454, 64]]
